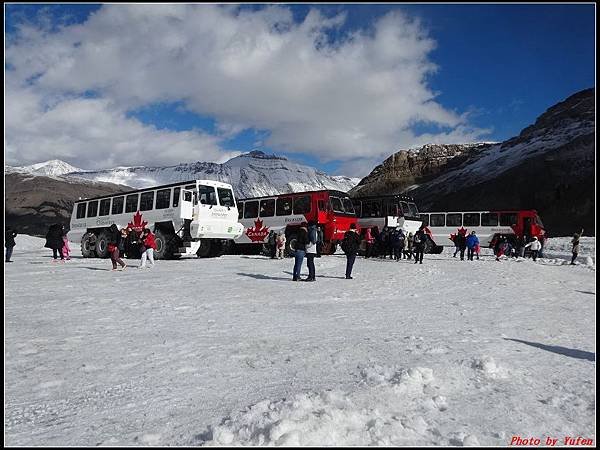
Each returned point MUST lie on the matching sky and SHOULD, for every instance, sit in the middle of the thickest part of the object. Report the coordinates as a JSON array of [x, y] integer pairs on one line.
[[340, 86]]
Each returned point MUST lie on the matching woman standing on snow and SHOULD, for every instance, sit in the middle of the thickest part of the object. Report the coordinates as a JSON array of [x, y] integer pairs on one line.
[[311, 250], [300, 250], [535, 247], [114, 244]]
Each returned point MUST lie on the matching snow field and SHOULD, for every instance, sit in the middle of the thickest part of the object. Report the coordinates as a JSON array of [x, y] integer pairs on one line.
[[231, 352]]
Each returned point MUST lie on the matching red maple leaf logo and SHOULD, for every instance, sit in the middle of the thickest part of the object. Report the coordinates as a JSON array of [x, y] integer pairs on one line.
[[258, 233], [138, 224], [462, 231]]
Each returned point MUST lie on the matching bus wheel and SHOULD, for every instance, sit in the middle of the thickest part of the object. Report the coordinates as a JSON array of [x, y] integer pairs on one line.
[[290, 243], [164, 247], [102, 245], [88, 245], [204, 250], [216, 249]]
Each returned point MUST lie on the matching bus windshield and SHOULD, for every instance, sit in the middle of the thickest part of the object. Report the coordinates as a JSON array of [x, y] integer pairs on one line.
[[414, 212], [341, 205]]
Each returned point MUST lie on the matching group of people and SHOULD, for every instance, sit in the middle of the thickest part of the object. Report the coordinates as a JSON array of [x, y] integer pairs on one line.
[[124, 242], [307, 239], [128, 241], [56, 239], [503, 246], [463, 243], [390, 241], [276, 244]]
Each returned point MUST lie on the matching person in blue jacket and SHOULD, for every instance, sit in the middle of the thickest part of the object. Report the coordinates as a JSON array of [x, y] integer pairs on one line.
[[472, 243]]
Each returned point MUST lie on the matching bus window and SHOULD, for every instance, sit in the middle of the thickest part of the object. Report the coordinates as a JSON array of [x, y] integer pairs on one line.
[[207, 195], [162, 198], [302, 204], [405, 209], [348, 207], [117, 205], [366, 209], [489, 219], [92, 210], [538, 221], [251, 210], [376, 209], [225, 197], [454, 220], [471, 219], [267, 208], [425, 219], [414, 212], [392, 209], [104, 207], [284, 206], [147, 201], [336, 205], [357, 207], [240, 210], [131, 203], [508, 219], [437, 220], [176, 192], [81, 210]]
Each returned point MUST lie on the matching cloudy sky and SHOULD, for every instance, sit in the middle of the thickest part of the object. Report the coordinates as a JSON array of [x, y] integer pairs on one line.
[[340, 87]]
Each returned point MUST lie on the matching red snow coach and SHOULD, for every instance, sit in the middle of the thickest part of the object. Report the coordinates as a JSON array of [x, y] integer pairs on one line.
[[332, 211], [515, 225]]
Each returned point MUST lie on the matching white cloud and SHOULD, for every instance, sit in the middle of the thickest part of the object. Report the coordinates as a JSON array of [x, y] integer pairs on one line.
[[350, 99]]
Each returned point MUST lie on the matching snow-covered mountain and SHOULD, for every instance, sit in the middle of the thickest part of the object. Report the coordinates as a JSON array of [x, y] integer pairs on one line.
[[50, 168], [251, 174]]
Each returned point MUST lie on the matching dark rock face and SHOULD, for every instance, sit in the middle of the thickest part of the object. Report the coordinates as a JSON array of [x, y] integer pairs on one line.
[[407, 168], [33, 203], [548, 167]]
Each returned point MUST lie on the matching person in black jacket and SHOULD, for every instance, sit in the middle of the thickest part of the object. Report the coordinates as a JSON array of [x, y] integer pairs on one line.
[[54, 240], [461, 243], [419, 241], [350, 246], [300, 250], [9, 242], [114, 245]]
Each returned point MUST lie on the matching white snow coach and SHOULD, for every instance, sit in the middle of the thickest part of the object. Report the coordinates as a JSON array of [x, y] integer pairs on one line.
[[194, 217]]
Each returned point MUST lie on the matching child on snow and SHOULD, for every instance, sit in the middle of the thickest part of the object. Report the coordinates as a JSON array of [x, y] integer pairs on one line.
[[280, 245], [66, 249]]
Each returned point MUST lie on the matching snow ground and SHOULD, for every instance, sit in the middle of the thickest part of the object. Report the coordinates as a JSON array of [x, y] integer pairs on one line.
[[229, 351]]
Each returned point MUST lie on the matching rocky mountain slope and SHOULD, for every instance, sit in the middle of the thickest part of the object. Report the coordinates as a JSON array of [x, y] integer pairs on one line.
[[548, 167], [33, 202]]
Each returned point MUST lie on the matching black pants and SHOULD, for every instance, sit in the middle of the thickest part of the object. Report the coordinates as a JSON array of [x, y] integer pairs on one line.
[[310, 262], [534, 254], [273, 249], [368, 251], [59, 251], [419, 254], [349, 264], [470, 253], [462, 253], [397, 253], [574, 258]]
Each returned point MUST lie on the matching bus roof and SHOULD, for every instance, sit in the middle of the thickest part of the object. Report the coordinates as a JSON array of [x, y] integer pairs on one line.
[[395, 196], [496, 211], [289, 194], [153, 188]]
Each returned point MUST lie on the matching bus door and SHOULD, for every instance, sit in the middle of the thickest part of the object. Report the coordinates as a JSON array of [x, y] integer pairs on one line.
[[186, 204]]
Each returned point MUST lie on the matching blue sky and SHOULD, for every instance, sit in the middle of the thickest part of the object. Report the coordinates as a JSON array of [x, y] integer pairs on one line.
[[483, 72]]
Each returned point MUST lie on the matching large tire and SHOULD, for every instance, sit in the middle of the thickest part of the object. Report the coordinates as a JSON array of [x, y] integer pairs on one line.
[[88, 245], [289, 244], [164, 245], [102, 244], [216, 249], [205, 248]]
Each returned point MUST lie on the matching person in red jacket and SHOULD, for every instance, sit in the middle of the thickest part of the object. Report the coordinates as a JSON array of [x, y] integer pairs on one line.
[[148, 246]]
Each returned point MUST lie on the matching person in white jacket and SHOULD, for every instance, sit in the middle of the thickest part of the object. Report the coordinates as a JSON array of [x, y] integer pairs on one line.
[[535, 246]]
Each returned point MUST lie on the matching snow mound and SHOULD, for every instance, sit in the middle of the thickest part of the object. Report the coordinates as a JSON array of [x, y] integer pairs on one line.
[[489, 368], [387, 408]]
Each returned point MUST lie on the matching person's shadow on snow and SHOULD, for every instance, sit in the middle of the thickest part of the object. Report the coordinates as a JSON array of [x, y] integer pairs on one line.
[[260, 276]]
